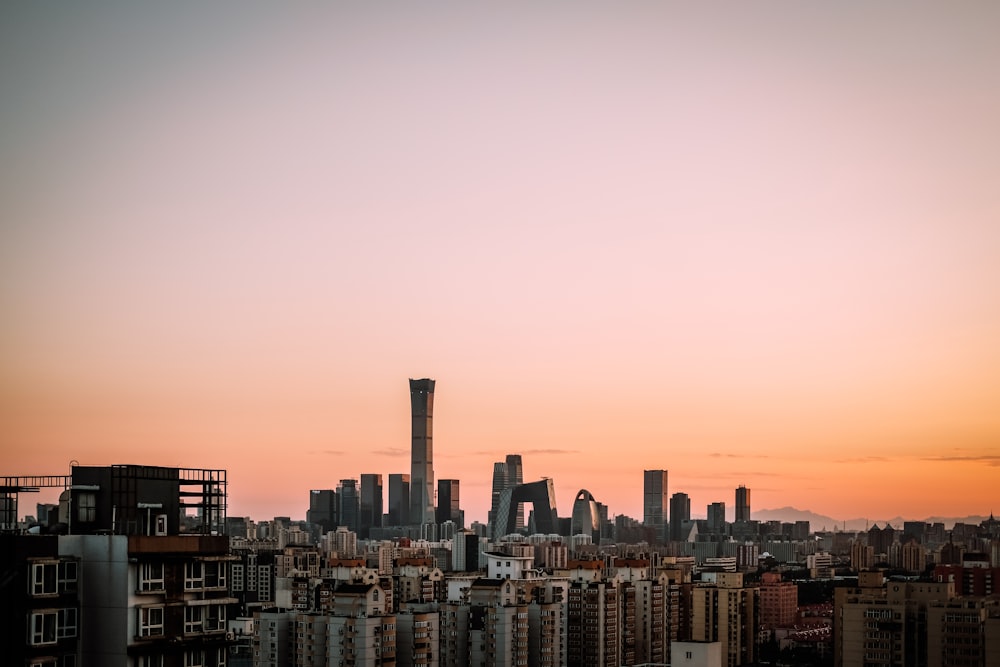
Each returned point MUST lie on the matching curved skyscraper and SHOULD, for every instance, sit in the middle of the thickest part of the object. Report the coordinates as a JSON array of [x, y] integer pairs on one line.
[[586, 517], [422, 451]]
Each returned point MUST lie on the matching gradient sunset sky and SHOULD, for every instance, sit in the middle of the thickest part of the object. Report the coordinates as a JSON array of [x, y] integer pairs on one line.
[[750, 243]]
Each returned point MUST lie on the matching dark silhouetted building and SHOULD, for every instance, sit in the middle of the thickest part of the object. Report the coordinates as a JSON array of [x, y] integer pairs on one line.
[[371, 504], [680, 515], [655, 502], [586, 516], [742, 503], [448, 508], [540, 494], [422, 451], [506, 475], [716, 515], [399, 500], [40, 616], [349, 501], [323, 510], [880, 539], [153, 588], [515, 476]]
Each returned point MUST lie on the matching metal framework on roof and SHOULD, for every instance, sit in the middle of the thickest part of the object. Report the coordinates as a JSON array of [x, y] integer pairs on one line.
[[12, 486], [200, 489]]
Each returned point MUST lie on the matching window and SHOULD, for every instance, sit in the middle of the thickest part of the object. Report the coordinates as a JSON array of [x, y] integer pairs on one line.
[[204, 574], [67, 623], [67, 576], [193, 617], [150, 577], [194, 575], [150, 661], [195, 658], [43, 578], [86, 505], [42, 628], [150, 621], [204, 618], [238, 584], [215, 574]]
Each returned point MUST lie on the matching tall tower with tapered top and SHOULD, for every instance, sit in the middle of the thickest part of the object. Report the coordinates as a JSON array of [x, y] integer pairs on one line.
[[422, 451]]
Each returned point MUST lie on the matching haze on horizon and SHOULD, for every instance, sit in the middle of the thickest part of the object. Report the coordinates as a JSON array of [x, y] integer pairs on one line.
[[751, 245]]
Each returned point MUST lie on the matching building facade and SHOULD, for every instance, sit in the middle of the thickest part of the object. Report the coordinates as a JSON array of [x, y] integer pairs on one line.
[[371, 504], [449, 507], [422, 451], [655, 502], [742, 503], [680, 515], [399, 500]]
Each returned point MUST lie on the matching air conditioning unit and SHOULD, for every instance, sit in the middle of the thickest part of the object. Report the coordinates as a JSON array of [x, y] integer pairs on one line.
[[230, 636]]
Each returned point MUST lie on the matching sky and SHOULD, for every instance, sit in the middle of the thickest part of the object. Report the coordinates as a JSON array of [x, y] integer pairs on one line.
[[747, 243]]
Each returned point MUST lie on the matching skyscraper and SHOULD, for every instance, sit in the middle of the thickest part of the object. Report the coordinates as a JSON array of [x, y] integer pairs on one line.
[[742, 503], [499, 484], [399, 499], [515, 477], [506, 475], [680, 513], [371, 504], [323, 509], [448, 508], [422, 451], [350, 507], [655, 501], [717, 518]]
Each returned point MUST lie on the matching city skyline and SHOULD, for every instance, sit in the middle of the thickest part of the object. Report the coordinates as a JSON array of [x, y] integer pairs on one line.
[[751, 247]]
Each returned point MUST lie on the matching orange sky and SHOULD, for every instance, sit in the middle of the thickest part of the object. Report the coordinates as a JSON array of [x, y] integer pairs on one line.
[[759, 246]]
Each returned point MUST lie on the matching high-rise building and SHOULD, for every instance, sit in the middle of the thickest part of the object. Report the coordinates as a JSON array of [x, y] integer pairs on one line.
[[41, 601], [680, 514], [540, 494], [371, 504], [742, 503], [592, 620], [586, 517], [963, 631], [499, 484], [448, 508], [716, 516], [399, 499], [422, 451], [726, 612], [515, 477], [158, 586], [322, 509], [885, 623], [880, 539], [506, 475], [655, 501], [778, 601], [350, 506]]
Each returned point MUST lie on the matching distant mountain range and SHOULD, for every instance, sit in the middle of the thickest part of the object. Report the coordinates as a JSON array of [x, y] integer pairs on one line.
[[821, 522]]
